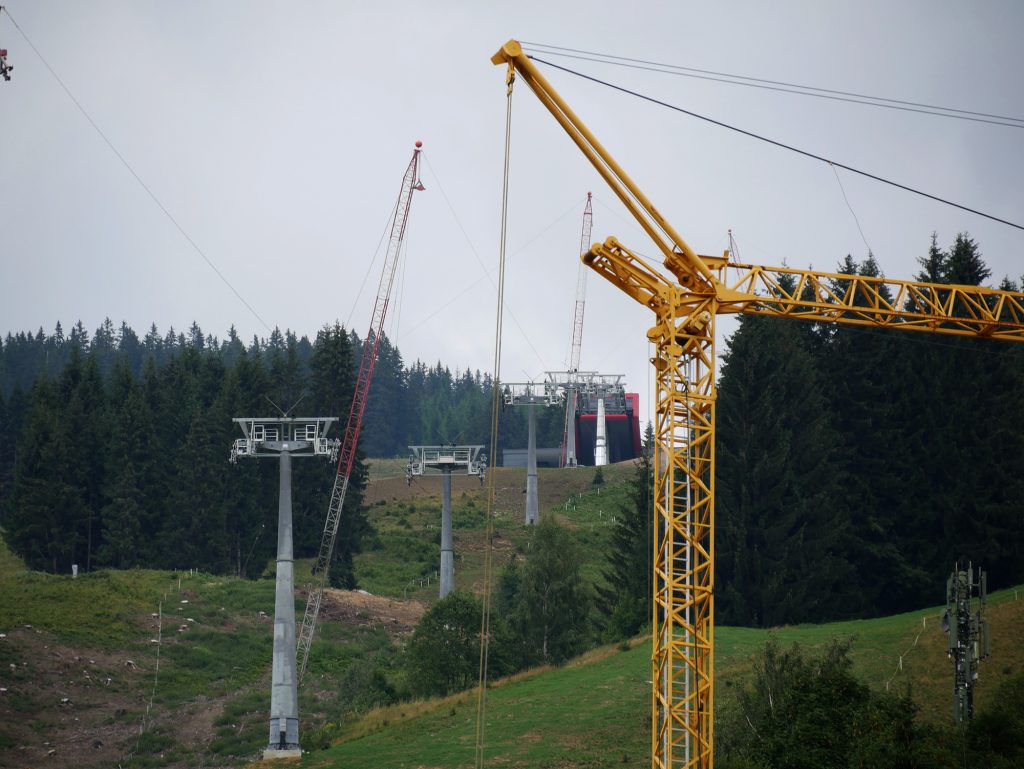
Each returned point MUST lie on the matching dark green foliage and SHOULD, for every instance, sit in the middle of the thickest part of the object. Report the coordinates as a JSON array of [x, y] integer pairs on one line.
[[112, 447], [548, 618], [42, 527], [444, 652], [995, 736], [803, 712], [782, 528], [129, 469], [625, 596], [855, 465]]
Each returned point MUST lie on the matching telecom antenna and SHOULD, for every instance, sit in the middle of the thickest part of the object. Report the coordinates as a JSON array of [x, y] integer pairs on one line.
[[410, 183], [968, 634]]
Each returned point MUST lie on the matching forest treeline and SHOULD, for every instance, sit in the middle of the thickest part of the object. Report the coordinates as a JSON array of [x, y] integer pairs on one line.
[[114, 448], [854, 466]]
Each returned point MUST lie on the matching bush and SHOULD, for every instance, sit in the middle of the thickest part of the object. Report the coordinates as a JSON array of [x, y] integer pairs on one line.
[[807, 712], [443, 655]]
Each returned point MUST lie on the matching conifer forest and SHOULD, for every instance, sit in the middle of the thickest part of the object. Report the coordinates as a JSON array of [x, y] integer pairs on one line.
[[854, 466]]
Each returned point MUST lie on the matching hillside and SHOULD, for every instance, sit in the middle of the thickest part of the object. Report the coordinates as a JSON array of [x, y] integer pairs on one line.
[[594, 712], [160, 668], [145, 668]]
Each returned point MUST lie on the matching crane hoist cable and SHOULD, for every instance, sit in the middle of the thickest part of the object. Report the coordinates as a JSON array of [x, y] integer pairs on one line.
[[496, 404], [350, 441]]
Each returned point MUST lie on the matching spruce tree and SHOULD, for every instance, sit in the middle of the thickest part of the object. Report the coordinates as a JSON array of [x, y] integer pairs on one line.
[[43, 527], [781, 528], [332, 387], [625, 595]]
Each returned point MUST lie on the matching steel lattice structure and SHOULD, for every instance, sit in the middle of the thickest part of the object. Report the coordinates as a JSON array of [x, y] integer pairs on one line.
[[354, 424]]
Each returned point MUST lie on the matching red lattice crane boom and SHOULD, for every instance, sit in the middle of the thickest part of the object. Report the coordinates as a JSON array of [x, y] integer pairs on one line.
[[581, 289], [569, 434], [350, 439]]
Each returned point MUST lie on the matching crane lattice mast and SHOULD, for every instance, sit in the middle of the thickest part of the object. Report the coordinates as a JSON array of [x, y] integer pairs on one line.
[[569, 437], [350, 439]]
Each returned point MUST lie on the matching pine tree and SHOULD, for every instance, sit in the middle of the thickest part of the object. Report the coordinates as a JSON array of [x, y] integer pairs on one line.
[[44, 523], [868, 382], [332, 387], [382, 428], [781, 530], [250, 486], [625, 596], [128, 526], [13, 412], [965, 266]]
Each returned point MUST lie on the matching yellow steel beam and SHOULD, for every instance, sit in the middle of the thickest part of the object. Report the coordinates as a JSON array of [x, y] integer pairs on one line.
[[820, 296], [876, 301], [681, 260]]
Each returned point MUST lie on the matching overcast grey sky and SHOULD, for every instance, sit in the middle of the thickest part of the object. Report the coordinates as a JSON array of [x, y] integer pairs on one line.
[[277, 135]]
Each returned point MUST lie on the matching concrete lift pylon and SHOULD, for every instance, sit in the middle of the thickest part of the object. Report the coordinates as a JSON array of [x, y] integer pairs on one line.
[[445, 460], [531, 394], [284, 438]]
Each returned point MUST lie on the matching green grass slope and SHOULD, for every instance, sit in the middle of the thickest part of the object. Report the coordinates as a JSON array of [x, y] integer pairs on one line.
[[595, 712], [154, 669], [86, 685]]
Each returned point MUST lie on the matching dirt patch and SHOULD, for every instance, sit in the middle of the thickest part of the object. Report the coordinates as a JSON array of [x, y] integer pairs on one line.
[[67, 707], [356, 607]]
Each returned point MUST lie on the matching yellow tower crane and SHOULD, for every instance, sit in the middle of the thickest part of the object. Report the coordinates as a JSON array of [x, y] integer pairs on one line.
[[685, 307]]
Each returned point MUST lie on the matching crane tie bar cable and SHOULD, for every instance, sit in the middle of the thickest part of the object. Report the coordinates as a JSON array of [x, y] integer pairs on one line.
[[784, 146]]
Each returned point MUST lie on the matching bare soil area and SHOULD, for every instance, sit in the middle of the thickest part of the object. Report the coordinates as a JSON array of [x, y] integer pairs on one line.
[[66, 707], [357, 607]]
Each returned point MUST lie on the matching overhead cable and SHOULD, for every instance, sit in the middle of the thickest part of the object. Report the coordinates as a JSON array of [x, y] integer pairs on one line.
[[777, 85], [472, 249], [789, 147], [138, 178]]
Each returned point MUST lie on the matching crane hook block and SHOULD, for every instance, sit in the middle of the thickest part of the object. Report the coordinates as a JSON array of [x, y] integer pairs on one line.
[[5, 68]]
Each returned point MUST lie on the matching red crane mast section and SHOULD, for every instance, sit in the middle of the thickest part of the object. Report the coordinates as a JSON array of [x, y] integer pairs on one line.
[[569, 441], [350, 440], [581, 289]]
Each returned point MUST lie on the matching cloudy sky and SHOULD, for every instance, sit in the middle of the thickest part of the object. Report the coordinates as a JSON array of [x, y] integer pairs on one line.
[[276, 135]]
